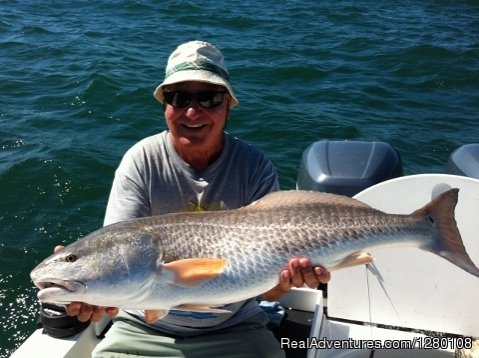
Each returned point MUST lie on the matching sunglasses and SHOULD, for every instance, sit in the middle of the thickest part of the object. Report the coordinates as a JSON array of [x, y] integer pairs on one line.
[[206, 99]]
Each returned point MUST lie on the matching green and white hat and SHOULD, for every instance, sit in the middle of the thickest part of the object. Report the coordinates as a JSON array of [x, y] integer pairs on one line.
[[196, 61]]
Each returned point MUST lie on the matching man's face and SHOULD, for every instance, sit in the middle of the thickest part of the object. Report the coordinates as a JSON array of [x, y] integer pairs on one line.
[[194, 128]]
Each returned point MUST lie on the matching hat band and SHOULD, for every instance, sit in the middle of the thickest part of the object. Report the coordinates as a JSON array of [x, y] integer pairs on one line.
[[198, 65]]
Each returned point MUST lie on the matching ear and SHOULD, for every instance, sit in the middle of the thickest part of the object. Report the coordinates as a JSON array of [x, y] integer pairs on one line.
[[227, 112]]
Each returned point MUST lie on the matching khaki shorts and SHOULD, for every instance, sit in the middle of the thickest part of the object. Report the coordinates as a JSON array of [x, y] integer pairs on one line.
[[129, 337]]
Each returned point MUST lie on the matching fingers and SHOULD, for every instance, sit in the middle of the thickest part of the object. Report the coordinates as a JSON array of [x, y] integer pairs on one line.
[[295, 271], [322, 275], [280, 289], [85, 312], [112, 311], [58, 248], [285, 281], [82, 311], [299, 273], [302, 273], [97, 314]]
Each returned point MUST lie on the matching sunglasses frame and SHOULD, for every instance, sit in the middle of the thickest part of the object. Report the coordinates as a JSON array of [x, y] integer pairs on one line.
[[205, 99]]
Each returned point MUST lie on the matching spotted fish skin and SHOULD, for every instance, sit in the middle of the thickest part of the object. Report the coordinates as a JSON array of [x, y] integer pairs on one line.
[[200, 260]]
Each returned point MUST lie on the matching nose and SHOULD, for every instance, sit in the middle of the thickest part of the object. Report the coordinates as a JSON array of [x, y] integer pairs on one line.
[[193, 109]]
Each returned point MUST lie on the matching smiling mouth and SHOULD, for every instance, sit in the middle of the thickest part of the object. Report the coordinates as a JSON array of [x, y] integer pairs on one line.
[[194, 126]]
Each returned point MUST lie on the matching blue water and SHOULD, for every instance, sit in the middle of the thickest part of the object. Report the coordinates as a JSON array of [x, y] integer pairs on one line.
[[76, 84]]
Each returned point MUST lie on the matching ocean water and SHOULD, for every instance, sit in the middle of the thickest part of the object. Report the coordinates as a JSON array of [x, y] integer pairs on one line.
[[76, 83]]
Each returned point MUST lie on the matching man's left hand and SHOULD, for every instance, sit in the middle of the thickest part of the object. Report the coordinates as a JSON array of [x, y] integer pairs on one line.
[[299, 273]]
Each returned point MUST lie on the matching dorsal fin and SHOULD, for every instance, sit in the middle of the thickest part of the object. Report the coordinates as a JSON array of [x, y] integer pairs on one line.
[[298, 197]]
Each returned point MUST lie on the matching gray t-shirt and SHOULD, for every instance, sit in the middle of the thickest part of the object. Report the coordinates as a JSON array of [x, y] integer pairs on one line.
[[152, 179]]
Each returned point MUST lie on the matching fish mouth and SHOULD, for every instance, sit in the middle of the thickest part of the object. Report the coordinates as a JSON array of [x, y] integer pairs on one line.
[[58, 291], [55, 283]]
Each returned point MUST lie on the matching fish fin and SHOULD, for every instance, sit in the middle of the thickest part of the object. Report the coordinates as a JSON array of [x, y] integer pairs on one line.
[[200, 308], [195, 271], [448, 245], [301, 197], [151, 316], [355, 259]]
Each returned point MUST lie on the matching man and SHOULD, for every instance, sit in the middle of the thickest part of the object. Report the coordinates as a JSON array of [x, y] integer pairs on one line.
[[194, 165]]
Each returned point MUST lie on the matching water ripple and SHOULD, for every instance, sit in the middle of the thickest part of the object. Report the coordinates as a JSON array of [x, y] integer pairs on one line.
[[77, 81]]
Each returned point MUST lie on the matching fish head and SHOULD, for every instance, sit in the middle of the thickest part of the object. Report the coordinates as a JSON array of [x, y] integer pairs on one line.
[[105, 268], [57, 286]]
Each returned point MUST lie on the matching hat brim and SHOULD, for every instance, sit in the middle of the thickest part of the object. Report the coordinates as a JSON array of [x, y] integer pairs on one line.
[[195, 75]]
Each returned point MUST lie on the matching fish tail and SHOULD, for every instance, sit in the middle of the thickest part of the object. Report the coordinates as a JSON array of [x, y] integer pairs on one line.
[[449, 244]]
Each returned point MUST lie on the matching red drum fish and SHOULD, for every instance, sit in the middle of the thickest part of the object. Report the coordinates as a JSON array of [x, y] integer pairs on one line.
[[200, 261]]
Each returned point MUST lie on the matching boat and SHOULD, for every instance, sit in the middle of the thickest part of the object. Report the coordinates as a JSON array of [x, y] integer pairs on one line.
[[408, 303]]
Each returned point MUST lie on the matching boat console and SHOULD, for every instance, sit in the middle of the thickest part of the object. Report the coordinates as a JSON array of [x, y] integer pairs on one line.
[[464, 161], [347, 167]]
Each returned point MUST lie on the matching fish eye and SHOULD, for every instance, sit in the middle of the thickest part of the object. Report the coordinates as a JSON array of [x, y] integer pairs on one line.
[[70, 258]]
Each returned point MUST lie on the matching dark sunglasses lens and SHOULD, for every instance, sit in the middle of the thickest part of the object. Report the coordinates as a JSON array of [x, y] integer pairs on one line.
[[177, 99], [210, 99], [206, 99]]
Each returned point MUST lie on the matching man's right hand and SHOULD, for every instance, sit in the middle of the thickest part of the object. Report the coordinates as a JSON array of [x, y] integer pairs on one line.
[[85, 312]]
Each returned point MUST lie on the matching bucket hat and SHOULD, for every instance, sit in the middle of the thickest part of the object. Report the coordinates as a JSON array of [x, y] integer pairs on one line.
[[196, 61]]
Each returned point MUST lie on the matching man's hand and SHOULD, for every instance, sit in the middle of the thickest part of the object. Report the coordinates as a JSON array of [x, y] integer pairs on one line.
[[86, 312], [299, 273]]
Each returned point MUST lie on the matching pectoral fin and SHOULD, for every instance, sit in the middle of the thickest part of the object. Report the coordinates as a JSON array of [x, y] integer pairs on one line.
[[355, 259], [151, 316], [194, 272]]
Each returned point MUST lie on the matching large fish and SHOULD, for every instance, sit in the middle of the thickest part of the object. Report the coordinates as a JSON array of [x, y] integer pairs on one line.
[[199, 261]]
